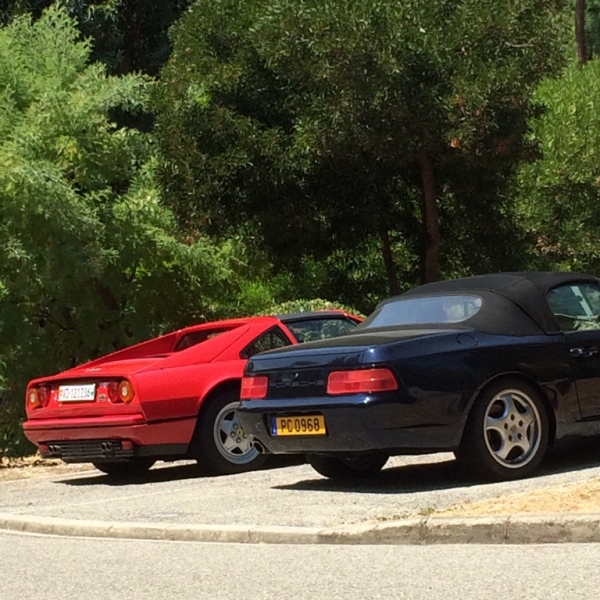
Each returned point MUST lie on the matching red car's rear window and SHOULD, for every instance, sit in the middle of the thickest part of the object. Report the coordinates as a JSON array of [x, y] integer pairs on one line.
[[197, 337]]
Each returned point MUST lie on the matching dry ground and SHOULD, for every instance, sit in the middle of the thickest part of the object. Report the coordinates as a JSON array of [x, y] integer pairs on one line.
[[581, 498], [34, 466]]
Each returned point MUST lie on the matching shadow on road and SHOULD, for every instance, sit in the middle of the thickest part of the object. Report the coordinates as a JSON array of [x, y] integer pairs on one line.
[[572, 454], [406, 478], [170, 472], [566, 456]]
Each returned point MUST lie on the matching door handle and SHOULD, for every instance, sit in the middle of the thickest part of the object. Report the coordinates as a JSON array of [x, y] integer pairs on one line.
[[583, 352]]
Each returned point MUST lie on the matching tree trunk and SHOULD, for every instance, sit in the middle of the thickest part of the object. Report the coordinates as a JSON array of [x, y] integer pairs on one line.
[[431, 224], [580, 32], [388, 261]]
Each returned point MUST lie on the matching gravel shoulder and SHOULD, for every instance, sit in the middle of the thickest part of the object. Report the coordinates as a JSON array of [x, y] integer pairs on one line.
[[295, 495]]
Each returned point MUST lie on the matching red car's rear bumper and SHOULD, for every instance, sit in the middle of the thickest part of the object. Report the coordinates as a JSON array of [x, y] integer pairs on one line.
[[85, 439]]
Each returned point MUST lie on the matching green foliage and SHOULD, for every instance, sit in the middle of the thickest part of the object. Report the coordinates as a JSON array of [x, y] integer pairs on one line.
[[9, 9], [303, 122], [128, 35], [90, 260], [592, 29], [560, 193], [306, 305]]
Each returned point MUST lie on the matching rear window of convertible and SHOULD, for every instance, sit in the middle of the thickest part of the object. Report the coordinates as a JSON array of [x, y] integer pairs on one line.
[[424, 310]]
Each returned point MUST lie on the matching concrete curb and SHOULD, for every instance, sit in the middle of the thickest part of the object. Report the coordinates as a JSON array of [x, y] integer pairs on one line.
[[516, 529]]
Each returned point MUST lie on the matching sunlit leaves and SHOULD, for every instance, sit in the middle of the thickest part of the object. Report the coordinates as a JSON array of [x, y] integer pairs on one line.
[[560, 193]]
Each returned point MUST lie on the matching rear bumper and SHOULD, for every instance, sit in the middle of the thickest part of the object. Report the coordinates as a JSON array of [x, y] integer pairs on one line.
[[359, 424], [88, 439]]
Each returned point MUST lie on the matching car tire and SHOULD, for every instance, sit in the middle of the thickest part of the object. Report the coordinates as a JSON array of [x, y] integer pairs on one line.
[[347, 468], [507, 432], [219, 445], [133, 467]]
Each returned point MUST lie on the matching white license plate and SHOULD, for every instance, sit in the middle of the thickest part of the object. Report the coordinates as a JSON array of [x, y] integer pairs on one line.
[[77, 393]]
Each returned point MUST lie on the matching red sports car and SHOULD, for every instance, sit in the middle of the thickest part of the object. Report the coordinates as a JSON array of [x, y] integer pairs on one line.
[[169, 398]]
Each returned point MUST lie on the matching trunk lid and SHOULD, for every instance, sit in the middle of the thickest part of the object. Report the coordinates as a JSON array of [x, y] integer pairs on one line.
[[301, 371]]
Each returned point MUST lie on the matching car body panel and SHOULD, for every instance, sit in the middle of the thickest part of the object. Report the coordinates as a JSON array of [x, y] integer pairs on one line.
[[441, 370], [172, 376], [436, 389]]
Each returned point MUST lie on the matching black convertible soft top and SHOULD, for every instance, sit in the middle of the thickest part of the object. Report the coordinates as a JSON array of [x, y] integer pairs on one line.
[[527, 290]]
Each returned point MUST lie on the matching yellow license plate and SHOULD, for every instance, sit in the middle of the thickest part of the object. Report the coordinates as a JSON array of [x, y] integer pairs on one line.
[[304, 425]]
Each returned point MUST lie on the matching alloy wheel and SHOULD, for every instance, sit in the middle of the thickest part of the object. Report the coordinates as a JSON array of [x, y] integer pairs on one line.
[[231, 440], [512, 428]]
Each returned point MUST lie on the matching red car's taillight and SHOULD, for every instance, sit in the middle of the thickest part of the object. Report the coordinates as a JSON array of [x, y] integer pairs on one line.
[[254, 388], [33, 399], [117, 391], [44, 392], [361, 381], [126, 392], [39, 396], [112, 391]]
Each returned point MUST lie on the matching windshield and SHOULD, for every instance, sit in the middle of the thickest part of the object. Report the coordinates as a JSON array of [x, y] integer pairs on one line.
[[308, 330], [430, 309]]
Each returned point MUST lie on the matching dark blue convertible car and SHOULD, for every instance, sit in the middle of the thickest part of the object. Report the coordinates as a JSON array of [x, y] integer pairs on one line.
[[494, 367]]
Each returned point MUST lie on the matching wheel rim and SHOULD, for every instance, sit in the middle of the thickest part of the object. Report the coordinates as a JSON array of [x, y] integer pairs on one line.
[[231, 440], [512, 428]]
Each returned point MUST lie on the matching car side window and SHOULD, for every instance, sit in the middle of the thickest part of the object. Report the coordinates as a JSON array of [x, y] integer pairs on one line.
[[576, 306], [270, 340]]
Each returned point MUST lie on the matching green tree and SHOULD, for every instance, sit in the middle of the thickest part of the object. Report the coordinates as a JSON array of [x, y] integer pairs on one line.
[[9, 9], [90, 260], [592, 28], [581, 31], [128, 35], [323, 126], [560, 192]]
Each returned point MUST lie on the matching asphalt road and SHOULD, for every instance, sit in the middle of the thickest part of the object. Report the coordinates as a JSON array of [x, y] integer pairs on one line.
[[34, 567], [292, 496]]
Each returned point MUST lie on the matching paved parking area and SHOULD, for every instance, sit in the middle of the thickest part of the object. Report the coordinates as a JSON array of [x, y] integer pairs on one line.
[[291, 496]]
